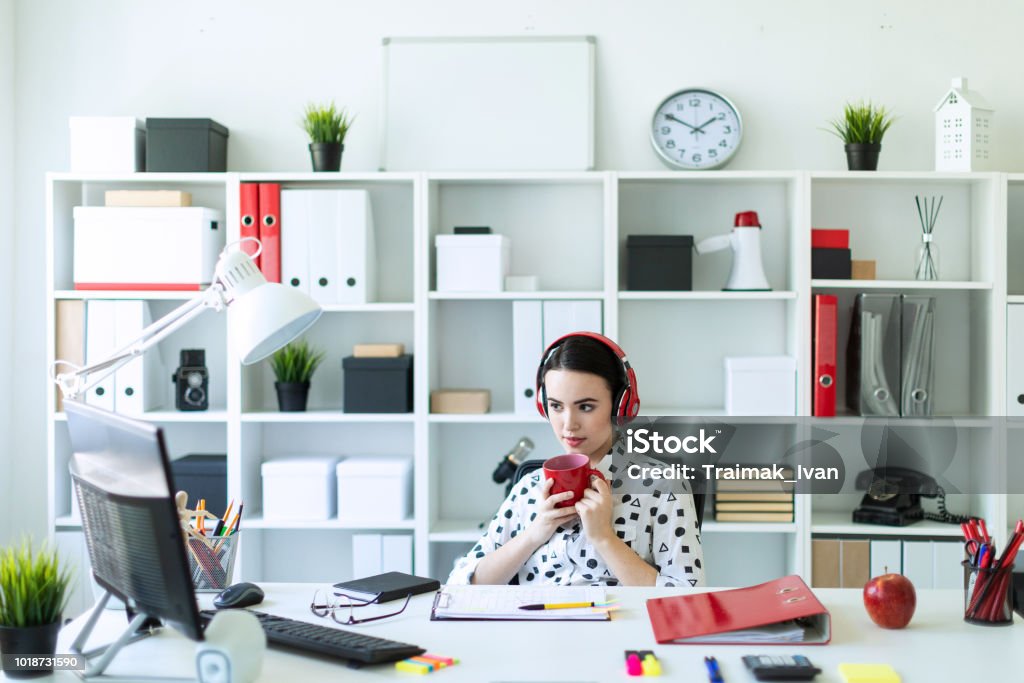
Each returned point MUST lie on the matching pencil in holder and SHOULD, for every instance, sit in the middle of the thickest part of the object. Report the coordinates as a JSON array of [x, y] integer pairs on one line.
[[211, 561], [988, 595]]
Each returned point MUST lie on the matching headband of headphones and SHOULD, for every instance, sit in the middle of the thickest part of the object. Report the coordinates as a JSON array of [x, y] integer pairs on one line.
[[626, 404]]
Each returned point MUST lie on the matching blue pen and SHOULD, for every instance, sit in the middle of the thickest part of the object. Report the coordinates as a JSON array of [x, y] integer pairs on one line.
[[714, 675]]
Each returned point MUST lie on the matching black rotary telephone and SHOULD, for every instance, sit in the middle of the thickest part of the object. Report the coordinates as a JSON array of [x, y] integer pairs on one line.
[[894, 495]]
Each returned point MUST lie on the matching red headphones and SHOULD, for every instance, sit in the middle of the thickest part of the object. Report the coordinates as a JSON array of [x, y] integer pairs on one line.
[[626, 404]]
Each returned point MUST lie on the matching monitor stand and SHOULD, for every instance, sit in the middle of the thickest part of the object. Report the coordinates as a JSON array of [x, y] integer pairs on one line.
[[98, 659]]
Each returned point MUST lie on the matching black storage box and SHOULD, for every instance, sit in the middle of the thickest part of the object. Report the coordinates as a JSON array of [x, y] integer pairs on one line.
[[190, 145], [659, 263], [830, 264], [378, 385], [203, 476]]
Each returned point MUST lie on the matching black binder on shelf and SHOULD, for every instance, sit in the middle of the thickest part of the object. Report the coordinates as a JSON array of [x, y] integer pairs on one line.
[[889, 358]]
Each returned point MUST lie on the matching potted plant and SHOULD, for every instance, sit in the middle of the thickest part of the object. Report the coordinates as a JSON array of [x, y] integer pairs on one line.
[[293, 366], [327, 127], [861, 128], [33, 595]]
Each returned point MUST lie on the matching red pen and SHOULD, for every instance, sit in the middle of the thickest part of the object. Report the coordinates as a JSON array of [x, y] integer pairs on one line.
[[984, 530], [1019, 529]]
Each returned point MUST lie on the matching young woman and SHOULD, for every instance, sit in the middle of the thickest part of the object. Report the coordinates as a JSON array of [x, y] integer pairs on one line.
[[583, 384]]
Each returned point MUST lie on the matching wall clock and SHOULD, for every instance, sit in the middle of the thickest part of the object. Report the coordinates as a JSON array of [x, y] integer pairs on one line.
[[696, 128]]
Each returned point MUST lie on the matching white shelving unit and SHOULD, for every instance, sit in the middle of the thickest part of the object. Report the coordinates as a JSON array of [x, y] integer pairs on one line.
[[570, 229]]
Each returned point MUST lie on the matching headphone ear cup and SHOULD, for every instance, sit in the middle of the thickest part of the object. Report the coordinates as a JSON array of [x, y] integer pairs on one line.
[[542, 401]]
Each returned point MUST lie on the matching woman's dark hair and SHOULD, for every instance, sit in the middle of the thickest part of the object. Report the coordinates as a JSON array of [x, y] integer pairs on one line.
[[584, 354]]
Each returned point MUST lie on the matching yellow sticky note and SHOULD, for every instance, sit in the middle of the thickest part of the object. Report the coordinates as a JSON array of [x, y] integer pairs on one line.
[[413, 667], [868, 673]]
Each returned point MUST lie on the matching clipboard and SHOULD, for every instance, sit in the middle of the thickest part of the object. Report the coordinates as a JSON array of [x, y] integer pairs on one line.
[[501, 603]]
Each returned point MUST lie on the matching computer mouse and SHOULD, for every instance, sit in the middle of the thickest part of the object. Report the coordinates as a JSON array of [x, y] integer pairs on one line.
[[243, 594]]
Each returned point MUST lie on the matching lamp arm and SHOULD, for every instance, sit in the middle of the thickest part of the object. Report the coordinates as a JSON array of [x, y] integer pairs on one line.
[[75, 383]]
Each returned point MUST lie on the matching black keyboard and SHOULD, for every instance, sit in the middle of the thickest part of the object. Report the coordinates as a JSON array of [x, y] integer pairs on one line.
[[355, 648]]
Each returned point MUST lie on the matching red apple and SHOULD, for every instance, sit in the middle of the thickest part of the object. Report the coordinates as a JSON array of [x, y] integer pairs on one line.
[[890, 600]]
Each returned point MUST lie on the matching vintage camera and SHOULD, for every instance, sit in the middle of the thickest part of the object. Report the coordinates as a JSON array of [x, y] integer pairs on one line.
[[192, 381]]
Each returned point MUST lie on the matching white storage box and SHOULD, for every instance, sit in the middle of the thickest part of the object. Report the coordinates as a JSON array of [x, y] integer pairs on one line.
[[374, 488], [107, 144], [760, 385], [300, 488], [148, 248], [472, 263]]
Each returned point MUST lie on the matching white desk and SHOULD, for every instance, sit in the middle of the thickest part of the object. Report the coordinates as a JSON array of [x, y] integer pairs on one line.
[[937, 646]]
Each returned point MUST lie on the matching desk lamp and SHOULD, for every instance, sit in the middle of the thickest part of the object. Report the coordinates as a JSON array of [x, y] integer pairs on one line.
[[264, 317]]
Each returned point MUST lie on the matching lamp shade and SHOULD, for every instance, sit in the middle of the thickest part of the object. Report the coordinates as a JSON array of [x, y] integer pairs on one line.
[[267, 317]]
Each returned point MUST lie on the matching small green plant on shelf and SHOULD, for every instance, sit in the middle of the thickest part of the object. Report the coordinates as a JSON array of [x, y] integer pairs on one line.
[[296, 362], [862, 124], [33, 586], [326, 124]]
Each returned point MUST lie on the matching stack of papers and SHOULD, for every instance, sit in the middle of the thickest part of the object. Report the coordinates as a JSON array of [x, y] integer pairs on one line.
[[504, 602]]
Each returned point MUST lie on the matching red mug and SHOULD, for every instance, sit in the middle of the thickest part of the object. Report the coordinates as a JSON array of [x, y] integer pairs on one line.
[[571, 472]]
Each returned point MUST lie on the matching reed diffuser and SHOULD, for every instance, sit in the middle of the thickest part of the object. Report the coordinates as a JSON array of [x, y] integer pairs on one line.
[[928, 253]]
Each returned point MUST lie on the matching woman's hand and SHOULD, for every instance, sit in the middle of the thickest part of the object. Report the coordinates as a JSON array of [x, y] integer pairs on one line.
[[548, 516], [595, 511]]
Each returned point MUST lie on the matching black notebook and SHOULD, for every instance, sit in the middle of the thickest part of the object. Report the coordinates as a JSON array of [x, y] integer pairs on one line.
[[389, 586]]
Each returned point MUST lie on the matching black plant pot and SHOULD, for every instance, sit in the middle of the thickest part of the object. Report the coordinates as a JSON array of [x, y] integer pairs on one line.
[[33, 640], [863, 156], [291, 396], [326, 156]]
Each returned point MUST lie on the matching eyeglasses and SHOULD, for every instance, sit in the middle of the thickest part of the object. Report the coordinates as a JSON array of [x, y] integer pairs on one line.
[[325, 603]]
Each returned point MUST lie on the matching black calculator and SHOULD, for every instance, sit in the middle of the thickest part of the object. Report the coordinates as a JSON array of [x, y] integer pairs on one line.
[[770, 668]]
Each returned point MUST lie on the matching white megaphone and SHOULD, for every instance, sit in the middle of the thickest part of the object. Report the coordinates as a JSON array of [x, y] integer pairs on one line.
[[745, 241]]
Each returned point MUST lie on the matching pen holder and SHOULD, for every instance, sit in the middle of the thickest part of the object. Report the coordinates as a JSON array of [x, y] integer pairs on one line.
[[211, 561], [988, 595]]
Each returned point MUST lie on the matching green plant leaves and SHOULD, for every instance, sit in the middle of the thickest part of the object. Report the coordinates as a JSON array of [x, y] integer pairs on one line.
[[296, 362], [324, 123], [33, 586], [862, 123]]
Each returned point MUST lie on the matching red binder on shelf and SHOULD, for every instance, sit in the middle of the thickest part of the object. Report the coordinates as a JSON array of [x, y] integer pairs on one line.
[[270, 230], [779, 612], [825, 321], [249, 217]]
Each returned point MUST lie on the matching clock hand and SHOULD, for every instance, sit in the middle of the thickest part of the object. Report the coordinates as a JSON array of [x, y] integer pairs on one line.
[[673, 118], [701, 126]]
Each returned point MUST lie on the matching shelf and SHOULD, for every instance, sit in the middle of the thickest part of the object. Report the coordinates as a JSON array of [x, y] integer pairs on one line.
[[68, 523], [1015, 299], [142, 177], [369, 308], [839, 523], [900, 284], [908, 176], [125, 294], [711, 526], [707, 176], [510, 296], [260, 523], [325, 416], [896, 421], [163, 416], [553, 177], [457, 531], [706, 296], [486, 418], [321, 178]]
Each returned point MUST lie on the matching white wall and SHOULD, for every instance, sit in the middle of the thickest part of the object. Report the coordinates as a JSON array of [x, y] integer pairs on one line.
[[6, 260], [788, 65]]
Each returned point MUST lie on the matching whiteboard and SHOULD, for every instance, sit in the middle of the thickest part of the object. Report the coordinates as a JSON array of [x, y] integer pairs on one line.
[[488, 104]]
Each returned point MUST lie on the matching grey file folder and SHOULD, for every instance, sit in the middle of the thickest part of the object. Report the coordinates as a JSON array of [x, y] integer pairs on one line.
[[889, 358]]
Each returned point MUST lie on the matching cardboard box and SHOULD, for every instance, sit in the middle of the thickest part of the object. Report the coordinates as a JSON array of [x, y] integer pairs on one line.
[[147, 198], [378, 350], [300, 488], [374, 487], [862, 270], [107, 144], [472, 263], [460, 401]]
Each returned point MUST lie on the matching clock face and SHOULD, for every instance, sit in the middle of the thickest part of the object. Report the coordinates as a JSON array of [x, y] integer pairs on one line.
[[696, 129]]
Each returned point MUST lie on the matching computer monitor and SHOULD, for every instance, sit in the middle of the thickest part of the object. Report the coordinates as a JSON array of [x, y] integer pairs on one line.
[[122, 475]]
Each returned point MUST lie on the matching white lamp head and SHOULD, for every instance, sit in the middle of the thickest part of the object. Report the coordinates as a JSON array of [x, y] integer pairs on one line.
[[264, 316]]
